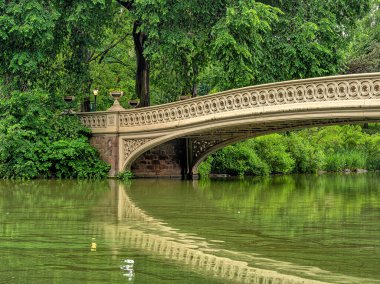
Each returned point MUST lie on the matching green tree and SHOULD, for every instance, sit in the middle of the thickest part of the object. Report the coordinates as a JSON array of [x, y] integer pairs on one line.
[[309, 39], [44, 54], [46, 44], [364, 50], [179, 36], [112, 63]]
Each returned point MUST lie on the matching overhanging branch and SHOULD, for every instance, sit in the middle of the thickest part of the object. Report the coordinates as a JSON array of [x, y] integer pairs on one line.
[[102, 54], [126, 4]]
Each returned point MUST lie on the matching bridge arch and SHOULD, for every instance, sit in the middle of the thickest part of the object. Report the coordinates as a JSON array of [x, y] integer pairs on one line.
[[211, 122], [212, 144]]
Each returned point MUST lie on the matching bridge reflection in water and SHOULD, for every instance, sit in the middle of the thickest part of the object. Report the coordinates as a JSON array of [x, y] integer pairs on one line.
[[138, 230]]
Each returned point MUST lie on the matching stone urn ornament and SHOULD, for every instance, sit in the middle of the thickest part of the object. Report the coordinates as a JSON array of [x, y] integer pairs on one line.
[[134, 102], [116, 105], [68, 99]]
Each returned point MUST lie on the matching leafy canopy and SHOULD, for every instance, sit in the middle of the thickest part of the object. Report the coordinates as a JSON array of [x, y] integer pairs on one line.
[[46, 44]]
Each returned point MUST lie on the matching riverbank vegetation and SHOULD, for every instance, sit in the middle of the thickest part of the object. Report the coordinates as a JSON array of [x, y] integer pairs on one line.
[[331, 149], [37, 141], [156, 51]]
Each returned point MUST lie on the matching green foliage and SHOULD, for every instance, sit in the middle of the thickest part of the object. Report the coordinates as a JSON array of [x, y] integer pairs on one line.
[[193, 35], [333, 149], [307, 157], [363, 53], [113, 62], [40, 142], [238, 39], [335, 162], [26, 38], [239, 160], [125, 176], [372, 148], [356, 160], [209, 45], [45, 44], [309, 39], [350, 160], [205, 167], [273, 151]]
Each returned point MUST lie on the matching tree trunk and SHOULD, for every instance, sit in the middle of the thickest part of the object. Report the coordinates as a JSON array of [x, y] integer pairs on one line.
[[194, 93], [142, 72], [194, 81]]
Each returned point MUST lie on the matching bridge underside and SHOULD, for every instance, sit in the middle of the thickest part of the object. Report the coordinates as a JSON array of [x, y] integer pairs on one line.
[[180, 157]]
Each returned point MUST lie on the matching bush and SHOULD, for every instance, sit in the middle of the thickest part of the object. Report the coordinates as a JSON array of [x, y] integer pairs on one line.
[[239, 160], [335, 162], [205, 167], [356, 160], [308, 158], [37, 141], [373, 152], [125, 176], [273, 150]]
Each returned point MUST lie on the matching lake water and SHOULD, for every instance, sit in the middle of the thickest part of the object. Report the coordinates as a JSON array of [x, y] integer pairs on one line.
[[290, 229]]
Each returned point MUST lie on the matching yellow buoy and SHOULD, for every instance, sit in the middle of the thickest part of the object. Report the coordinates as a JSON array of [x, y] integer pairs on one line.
[[93, 245]]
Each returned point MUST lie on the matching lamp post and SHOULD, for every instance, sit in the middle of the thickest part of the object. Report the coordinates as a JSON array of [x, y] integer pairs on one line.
[[96, 92]]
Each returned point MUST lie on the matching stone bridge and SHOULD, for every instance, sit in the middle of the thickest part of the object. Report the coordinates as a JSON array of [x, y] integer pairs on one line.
[[171, 140]]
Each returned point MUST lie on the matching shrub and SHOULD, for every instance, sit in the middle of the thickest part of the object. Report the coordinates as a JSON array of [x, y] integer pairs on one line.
[[125, 176], [273, 150], [356, 160], [38, 141], [308, 158], [372, 148], [335, 162], [204, 168], [239, 160]]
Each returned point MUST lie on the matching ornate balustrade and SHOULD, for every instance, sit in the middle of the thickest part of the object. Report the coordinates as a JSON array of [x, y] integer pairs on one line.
[[275, 96]]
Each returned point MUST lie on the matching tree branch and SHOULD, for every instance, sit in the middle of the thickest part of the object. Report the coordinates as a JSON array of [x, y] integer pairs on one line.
[[104, 52], [126, 4], [117, 61]]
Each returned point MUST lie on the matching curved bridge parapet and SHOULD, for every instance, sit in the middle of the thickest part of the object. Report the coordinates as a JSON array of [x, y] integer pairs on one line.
[[230, 116]]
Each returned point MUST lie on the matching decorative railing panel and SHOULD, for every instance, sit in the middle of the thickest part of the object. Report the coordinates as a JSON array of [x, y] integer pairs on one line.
[[94, 121], [325, 89], [292, 92]]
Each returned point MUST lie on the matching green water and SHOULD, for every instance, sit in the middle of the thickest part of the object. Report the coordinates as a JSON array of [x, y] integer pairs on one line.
[[294, 229]]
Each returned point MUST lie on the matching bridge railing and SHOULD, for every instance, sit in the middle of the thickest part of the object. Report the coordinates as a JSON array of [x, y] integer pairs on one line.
[[316, 90]]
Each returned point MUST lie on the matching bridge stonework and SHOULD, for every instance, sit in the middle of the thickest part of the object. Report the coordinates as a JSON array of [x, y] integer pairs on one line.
[[108, 147], [171, 140], [167, 160]]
